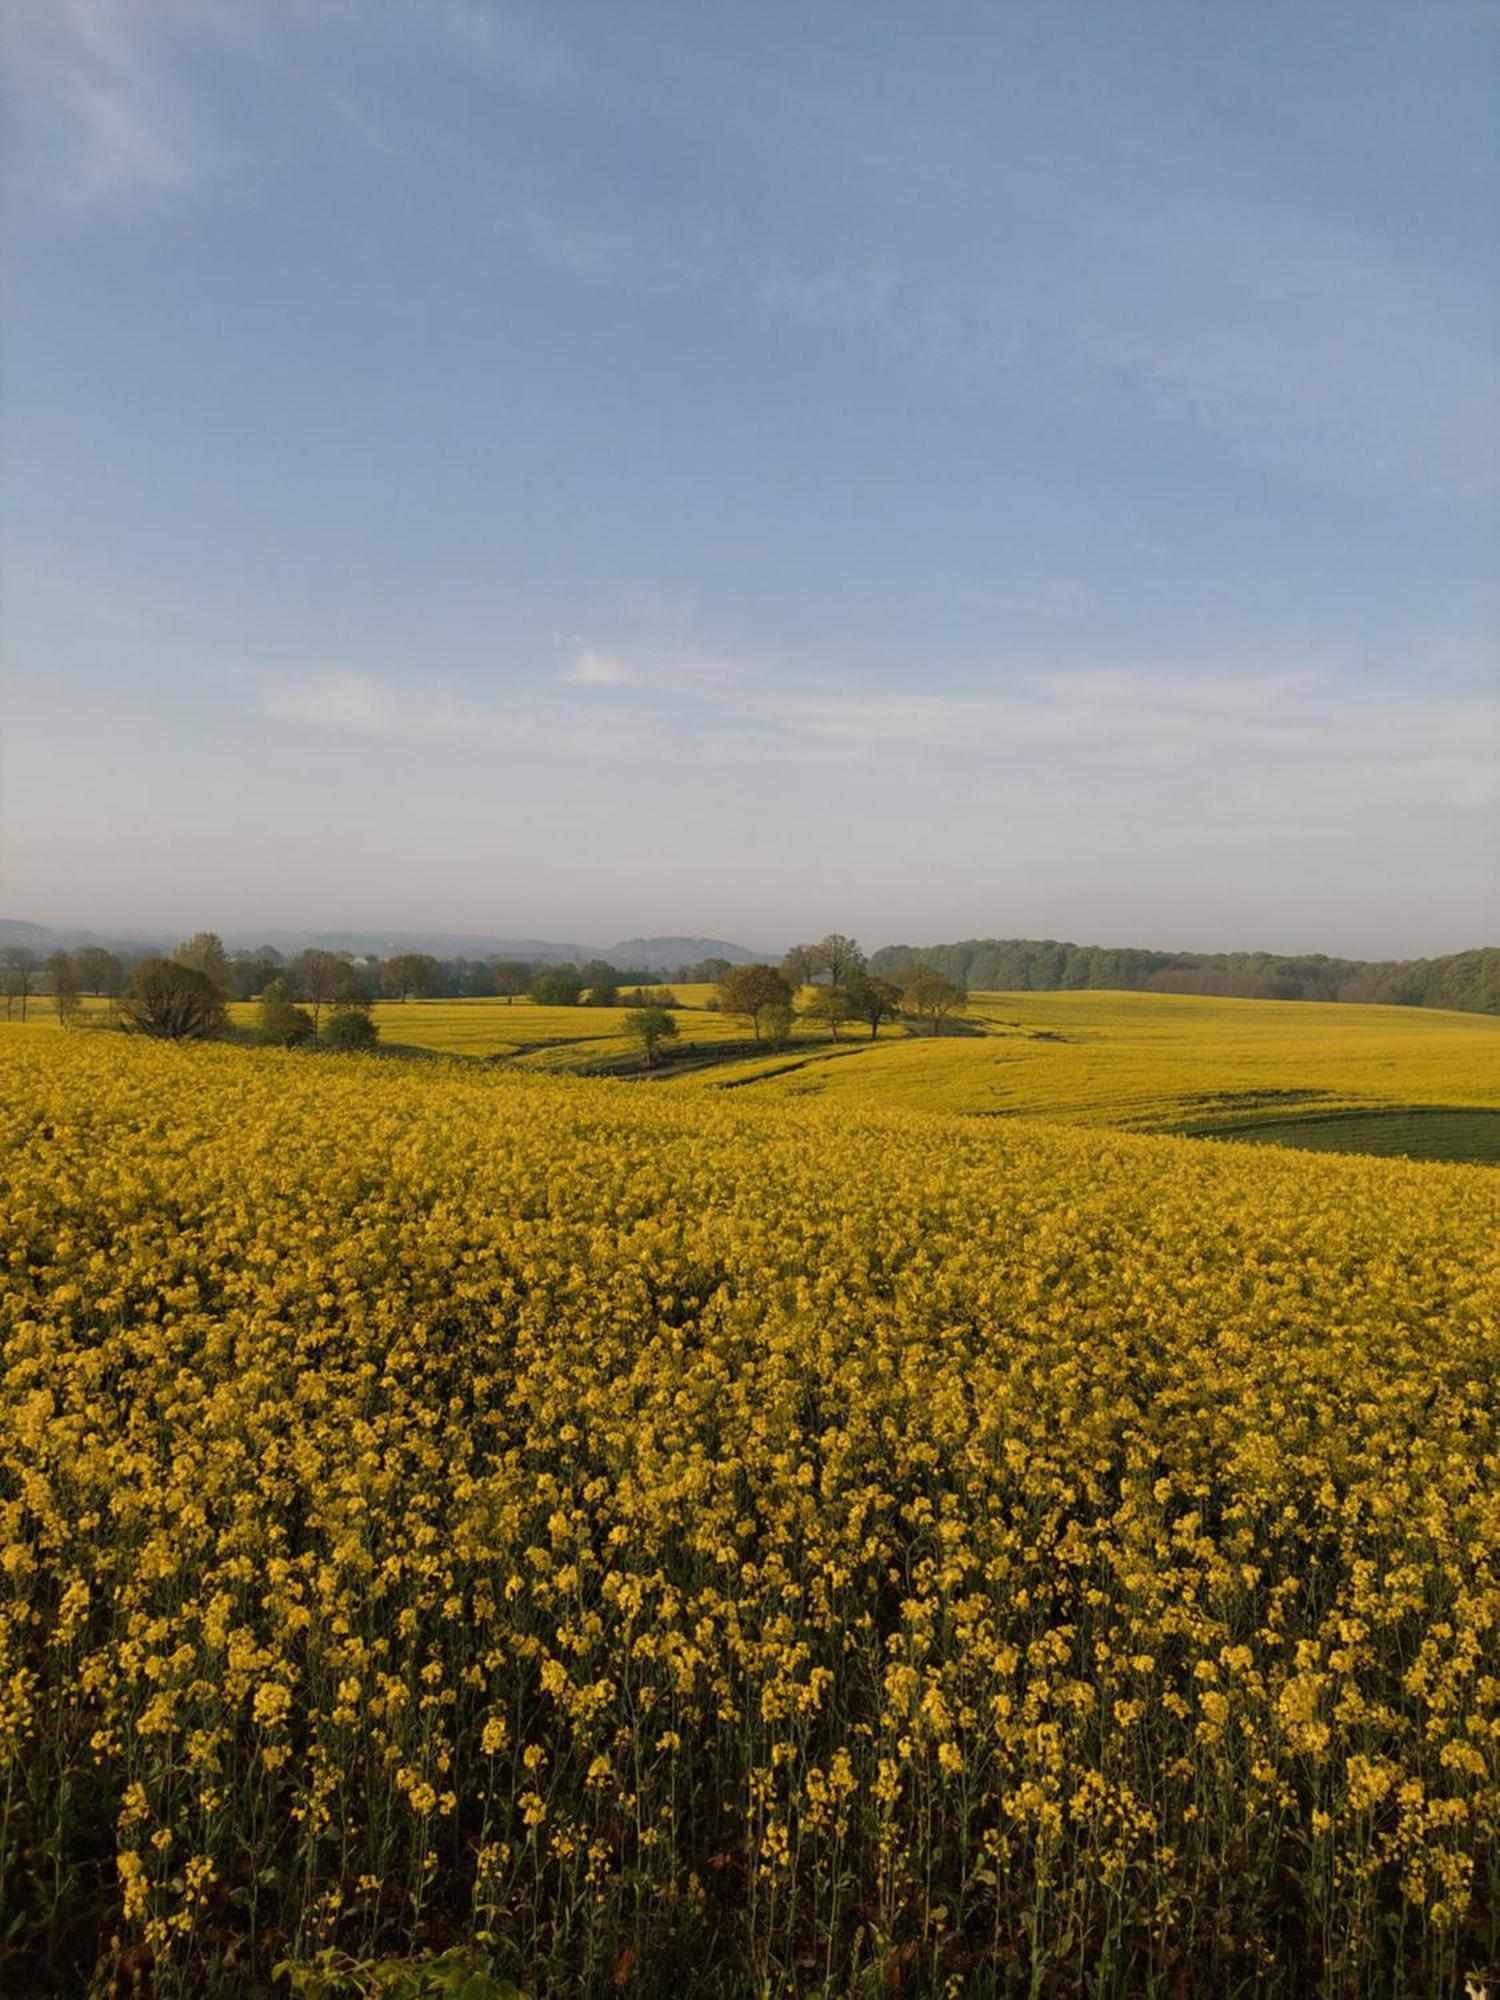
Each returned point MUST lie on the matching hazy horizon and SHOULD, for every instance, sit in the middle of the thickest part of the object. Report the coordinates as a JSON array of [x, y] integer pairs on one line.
[[1019, 473], [244, 936]]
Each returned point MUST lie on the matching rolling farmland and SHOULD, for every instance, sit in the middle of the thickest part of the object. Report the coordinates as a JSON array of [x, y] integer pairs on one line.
[[677, 1535]]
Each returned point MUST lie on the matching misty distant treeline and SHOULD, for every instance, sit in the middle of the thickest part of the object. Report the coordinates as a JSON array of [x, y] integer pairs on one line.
[[317, 976], [1468, 981], [1465, 980]]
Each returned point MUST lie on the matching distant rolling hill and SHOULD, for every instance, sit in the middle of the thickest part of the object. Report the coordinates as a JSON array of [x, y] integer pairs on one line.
[[646, 952]]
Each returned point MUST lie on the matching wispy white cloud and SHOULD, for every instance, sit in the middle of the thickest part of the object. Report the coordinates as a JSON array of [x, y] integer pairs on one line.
[[1299, 726], [362, 704], [797, 283], [110, 95], [595, 669], [679, 673], [1300, 345], [500, 35], [80, 73]]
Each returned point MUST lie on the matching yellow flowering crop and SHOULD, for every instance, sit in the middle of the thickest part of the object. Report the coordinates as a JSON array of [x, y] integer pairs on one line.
[[737, 1544]]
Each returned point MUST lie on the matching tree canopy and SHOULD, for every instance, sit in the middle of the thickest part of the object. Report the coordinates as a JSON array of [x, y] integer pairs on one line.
[[172, 1002]]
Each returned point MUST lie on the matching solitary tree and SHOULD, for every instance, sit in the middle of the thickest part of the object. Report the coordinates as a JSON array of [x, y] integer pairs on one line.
[[410, 972], [62, 977], [651, 1026], [873, 1000], [932, 996], [839, 956], [322, 976], [756, 992], [18, 964], [205, 953], [829, 1007], [172, 1002], [512, 976], [279, 1018]]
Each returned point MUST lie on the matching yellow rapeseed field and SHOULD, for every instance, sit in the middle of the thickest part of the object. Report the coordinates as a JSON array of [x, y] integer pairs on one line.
[[1140, 1061], [698, 1541], [1156, 1061]]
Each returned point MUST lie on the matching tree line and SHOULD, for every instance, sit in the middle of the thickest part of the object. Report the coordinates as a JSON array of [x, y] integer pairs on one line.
[[1468, 981], [320, 997], [315, 977], [323, 998], [830, 984]]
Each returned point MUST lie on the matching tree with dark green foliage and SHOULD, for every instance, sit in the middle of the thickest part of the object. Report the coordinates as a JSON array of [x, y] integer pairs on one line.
[[171, 1002], [756, 993], [604, 985], [1467, 980], [350, 1028], [777, 1023], [251, 972], [651, 1026], [410, 973], [280, 1020], [650, 996], [473, 979], [557, 986], [873, 1000]]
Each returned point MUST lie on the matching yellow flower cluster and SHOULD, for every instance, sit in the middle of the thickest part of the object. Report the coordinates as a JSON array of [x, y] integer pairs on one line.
[[766, 1547]]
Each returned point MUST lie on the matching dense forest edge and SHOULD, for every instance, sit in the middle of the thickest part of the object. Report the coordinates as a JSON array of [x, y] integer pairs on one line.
[[1466, 981]]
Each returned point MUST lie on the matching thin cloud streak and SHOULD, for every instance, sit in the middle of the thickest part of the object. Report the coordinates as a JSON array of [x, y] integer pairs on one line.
[[1289, 340], [80, 69], [1126, 719], [342, 700], [1286, 337], [118, 92]]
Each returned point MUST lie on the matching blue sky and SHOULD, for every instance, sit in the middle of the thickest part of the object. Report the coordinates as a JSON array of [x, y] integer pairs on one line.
[[930, 472]]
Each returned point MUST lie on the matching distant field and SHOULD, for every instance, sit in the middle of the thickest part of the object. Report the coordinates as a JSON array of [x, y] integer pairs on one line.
[[1387, 1080], [1165, 1063], [541, 1037]]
